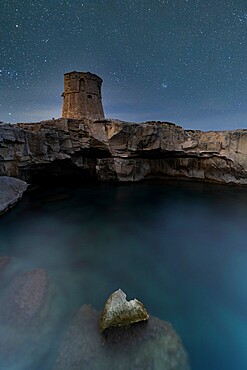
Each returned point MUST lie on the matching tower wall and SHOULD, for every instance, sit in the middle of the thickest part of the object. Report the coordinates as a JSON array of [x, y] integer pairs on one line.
[[82, 96]]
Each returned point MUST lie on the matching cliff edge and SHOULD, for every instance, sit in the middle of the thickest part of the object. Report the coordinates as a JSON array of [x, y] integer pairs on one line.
[[112, 150]]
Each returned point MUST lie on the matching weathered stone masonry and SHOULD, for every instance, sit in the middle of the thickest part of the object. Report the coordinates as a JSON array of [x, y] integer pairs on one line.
[[82, 96]]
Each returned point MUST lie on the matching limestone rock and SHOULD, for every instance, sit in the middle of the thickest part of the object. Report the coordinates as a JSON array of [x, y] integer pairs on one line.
[[146, 345], [111, 150], [11, 190], [119, 312]]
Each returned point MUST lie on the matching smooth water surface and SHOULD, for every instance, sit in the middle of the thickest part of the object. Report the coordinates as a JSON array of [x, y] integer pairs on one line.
[[181, 248]]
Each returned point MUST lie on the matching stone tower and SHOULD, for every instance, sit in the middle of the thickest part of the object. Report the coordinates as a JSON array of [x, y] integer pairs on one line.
[[82, 96]]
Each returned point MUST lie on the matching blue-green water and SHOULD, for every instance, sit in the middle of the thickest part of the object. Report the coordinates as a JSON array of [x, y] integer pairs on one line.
[[181, 248]]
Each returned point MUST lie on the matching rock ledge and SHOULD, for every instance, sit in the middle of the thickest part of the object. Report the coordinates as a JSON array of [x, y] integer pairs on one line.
[[111, 150]]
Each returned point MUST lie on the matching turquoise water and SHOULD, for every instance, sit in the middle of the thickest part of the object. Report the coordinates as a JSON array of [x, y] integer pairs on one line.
[[181, 248]]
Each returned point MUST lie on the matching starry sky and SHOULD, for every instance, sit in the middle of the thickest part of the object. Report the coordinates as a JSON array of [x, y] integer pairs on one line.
[[182, 61]]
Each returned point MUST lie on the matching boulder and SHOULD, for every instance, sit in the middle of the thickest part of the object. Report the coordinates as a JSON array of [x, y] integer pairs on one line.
[[11, 190], [146, 345], [119, 312]]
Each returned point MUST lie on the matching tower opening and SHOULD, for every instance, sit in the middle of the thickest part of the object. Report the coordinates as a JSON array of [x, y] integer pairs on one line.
[[82, 84]]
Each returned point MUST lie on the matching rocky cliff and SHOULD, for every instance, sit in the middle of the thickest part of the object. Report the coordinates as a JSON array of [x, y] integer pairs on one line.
[[121, 151]]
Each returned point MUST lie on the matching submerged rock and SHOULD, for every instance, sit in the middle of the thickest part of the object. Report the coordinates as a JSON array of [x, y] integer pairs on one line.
[[146, 345], [4, 260], [119, 312], [25, 299], [24, 320], [11, 190]]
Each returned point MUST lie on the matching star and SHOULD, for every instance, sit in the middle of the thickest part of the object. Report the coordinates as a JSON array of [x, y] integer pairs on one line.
[[185, 42], [164, 85]]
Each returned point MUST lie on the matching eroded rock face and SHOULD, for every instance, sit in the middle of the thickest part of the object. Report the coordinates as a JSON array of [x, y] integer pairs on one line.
[[120, 151], [11, 190], [151, 345], [119, 312]]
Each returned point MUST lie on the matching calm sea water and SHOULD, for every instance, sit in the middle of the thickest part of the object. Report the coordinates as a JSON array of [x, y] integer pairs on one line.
[[179, 247]]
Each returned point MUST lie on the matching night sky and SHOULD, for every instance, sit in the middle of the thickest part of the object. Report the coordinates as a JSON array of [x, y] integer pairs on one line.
[[182, 61]]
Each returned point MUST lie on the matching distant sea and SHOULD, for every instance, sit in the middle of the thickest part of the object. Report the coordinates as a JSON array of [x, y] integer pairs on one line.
[[179, 247]]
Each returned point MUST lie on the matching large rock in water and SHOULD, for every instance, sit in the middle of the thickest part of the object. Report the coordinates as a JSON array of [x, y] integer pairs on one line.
[[11, 190], [148, 345], [119, 312]]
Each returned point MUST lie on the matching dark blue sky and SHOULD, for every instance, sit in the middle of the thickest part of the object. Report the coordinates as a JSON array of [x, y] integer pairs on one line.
[[177, 60]]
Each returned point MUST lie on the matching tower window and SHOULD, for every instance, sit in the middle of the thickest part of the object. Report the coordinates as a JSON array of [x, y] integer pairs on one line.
[[81, 84], [89, 96]]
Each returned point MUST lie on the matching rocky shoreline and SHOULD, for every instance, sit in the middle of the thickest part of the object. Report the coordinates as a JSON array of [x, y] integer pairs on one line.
[[111, 150], [73, 150]]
